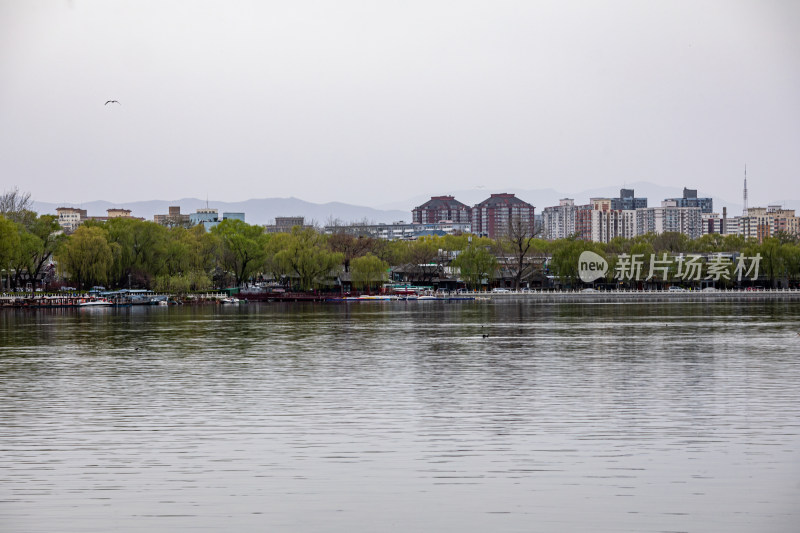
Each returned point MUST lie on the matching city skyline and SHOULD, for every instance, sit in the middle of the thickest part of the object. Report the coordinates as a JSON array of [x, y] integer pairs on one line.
[[365, 103], [541, 199]]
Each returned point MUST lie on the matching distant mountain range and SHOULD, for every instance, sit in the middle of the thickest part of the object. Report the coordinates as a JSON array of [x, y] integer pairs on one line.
[[264, 210]]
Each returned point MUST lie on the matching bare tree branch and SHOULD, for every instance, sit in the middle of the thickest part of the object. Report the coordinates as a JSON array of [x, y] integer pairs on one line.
[[14, 204]]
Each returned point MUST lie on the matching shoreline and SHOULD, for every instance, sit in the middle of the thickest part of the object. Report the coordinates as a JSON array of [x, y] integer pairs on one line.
[[776, 295], [549, 297]]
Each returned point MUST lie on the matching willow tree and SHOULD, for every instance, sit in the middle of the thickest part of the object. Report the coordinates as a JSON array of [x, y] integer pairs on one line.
[[9, 246], [421, 258], [243, 248], [39, 238], [671, 242], [139, 249], [368, 271], [305, 257], [476, 264], [29, 244], [566, 257], [708, 243], [772, 259], [186, 267], [86, 257], [791, 261]]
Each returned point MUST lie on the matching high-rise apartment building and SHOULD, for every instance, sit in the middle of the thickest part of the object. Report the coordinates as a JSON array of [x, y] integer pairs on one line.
[[670, 218], [765, 222], [559, 221], [628, 201], [500, 213], [440, 208], [612, 223], [690, 199]]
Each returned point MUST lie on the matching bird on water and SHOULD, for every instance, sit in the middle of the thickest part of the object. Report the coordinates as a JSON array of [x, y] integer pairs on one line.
[[112, 102]]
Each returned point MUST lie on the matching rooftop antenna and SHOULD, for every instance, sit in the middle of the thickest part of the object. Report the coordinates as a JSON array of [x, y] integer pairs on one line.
[[744, 212]]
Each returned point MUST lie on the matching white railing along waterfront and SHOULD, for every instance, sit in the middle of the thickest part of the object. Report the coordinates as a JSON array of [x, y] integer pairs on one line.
[[512, 292], [209, 295]]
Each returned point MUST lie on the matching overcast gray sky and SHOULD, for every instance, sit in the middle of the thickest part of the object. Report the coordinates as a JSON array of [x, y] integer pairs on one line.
[[372, 101]]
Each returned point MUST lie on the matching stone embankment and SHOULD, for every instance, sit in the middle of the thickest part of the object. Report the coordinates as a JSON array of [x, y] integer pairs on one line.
[[631, 296]]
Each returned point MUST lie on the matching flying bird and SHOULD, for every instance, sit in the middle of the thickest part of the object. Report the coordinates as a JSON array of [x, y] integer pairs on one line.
[[111, 102]]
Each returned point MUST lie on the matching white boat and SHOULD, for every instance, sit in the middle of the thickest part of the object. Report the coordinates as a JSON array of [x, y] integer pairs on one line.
[[230, 300], [95, 302], [369, 298], [140, 296]]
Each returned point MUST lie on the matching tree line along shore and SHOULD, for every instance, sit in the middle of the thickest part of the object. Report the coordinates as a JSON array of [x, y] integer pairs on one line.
[[131, 253]]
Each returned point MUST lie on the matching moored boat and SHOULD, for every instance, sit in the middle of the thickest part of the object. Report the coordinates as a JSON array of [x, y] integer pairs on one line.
[[94, 302]]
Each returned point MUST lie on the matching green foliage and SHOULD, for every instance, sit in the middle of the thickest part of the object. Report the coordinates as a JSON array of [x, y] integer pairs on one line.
[[643, 249], [29, 246], [421, 258], [476, 264], [368, 271], [9, 244], [86, 257], [180, 284], [275, 266], [565, 256], [773, 258], [243, 248], [459, 242], [139, 248], [305, 257], [733, 243], [145, 254], [27, 253], [791, 261], [709, 243], [43, 237], [351, 247], [670, 242]]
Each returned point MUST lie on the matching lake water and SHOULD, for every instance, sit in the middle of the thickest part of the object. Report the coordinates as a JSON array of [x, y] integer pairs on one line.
[[389, 416]]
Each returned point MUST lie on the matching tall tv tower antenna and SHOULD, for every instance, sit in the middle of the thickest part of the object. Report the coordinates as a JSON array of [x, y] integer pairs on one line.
[[744, 212]]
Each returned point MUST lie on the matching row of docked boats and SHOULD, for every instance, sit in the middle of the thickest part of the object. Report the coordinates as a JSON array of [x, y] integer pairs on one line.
[[400, 297], [84, 300], [47, 302]]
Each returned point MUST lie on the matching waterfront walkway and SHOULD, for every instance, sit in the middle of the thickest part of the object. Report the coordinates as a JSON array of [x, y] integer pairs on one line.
[[633, 296]]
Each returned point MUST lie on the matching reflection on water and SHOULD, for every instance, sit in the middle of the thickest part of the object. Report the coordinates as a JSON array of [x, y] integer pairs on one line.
[[388, 416]]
